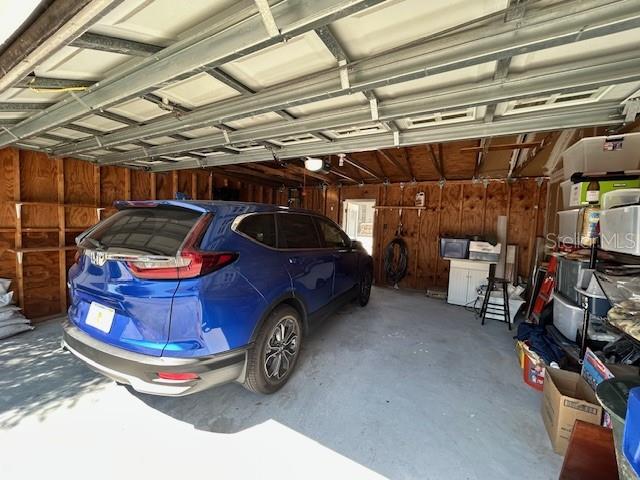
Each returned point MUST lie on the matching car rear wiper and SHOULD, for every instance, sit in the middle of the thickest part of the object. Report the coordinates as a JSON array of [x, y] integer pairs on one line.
[[95, 243]]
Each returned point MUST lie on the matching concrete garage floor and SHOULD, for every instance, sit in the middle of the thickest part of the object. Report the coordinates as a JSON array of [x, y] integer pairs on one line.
[[408, 387]]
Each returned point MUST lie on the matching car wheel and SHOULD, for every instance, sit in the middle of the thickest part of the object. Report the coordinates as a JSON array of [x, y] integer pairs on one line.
[[275, 352], [364, 288]]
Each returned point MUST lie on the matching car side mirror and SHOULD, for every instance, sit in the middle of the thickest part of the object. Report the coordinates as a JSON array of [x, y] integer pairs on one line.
[[356, 245]]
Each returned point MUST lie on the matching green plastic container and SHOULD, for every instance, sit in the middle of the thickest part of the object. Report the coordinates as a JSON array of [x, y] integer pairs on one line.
[[578, 196]]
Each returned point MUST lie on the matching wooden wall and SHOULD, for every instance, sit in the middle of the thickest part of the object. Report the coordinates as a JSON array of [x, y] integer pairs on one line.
[[455, 208], [45, 203]]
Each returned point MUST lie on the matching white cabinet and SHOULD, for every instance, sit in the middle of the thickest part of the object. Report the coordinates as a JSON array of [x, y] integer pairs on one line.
[[465, 277]]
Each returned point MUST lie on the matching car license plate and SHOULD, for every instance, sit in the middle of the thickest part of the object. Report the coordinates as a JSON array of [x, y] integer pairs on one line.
[[100, 317]]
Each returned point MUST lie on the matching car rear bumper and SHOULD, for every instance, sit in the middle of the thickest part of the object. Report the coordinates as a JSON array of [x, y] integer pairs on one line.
[[141, 371]]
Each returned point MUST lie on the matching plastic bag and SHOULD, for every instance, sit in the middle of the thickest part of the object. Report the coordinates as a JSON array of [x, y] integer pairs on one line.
[[9, 311], [11, 330], [6, 299], [4, 285], [17, 320]]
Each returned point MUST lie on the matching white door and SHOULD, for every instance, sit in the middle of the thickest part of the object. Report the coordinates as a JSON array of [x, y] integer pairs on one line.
[[458, 286]]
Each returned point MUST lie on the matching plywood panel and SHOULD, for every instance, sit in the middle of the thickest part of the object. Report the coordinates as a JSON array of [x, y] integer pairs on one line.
[[202, 188], [428, 250], [37, 177], [332, 203], [472, 209], [163, 186], [521, 226], [496, 205], [39, 216], [113, 185], [450, 222], [140, 185], [79, 182], [80, 217], [185, 182], [410, 228], [41, 283], [40, 239], [9, 159], [7, 259]]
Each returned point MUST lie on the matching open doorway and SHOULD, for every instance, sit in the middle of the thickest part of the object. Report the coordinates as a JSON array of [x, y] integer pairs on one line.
[[357, 221]]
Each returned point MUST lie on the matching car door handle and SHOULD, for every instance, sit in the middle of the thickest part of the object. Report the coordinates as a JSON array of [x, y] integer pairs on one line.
[[294, 260], [336, 255]]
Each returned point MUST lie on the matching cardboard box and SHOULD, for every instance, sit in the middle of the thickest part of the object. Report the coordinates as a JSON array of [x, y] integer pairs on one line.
[[566, 398]]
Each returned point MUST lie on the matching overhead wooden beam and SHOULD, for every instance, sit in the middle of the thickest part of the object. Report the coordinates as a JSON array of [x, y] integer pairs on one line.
[[441, 159], [242, 170], [343, 175], [533, 153], [482, 155], [504, 146], [399, 165], [359, 166], [245, 178], [348, 169], [435, 160], [407, 160], [274, 172], [304, 172]]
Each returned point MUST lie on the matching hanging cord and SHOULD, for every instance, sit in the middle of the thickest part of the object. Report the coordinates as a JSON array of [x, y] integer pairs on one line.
[[395, 266]]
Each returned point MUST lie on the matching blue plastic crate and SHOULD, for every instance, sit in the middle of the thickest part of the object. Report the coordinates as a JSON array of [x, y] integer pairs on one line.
[[631, 440]]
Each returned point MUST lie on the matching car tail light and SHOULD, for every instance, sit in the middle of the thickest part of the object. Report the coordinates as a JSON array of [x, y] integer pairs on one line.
[[180, 376], [190, 262]]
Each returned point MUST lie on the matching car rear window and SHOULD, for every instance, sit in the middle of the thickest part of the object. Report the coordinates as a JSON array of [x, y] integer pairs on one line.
[[297, 231], [260, 227], [156, 230]]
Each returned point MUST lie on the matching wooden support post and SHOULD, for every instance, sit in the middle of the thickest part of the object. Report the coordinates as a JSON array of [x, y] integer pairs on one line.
[[152, 186], [62, 254], [194, 186], [18, 232], [210, 186], [97, 189], [127, 184], [174, 183]]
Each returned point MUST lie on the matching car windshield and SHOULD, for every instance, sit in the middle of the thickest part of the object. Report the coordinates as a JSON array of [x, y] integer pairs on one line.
[[155, 230]]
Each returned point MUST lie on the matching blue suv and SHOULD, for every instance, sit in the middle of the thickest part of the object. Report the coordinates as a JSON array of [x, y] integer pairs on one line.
[[172, 297]]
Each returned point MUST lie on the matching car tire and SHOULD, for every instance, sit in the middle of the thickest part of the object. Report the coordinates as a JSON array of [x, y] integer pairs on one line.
[[273, 357], [364, 287]]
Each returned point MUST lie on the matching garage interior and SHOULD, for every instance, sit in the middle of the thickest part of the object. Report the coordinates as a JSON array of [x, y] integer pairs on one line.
[[440, 123]]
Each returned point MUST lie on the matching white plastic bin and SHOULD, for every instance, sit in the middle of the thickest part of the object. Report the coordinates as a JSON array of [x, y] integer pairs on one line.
[[567, 317], [568, 226], [566, 193], [620, 230], [602, 154], [624, 196]]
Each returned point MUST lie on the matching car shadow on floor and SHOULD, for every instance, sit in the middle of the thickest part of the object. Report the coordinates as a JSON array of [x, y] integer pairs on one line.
[[231, 408], [36, 377]]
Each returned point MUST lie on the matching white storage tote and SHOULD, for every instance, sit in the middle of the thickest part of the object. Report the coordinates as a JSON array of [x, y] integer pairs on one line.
[[567, 317], [620, 229], [602, 154]]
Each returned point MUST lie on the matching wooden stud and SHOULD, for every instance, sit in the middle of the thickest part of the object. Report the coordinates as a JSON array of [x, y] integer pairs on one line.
[[62, 257], [127, 184], [194, 186], [152, 186], [174, 183]]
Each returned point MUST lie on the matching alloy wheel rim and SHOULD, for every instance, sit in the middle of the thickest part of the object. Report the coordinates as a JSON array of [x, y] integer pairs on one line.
[[281, 349]]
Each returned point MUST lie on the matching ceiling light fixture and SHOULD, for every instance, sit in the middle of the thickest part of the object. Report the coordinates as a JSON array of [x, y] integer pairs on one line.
[[341, 159], [314, 164]]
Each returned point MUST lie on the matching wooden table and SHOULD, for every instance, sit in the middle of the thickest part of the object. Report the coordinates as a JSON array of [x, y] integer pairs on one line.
[[590, 455]]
